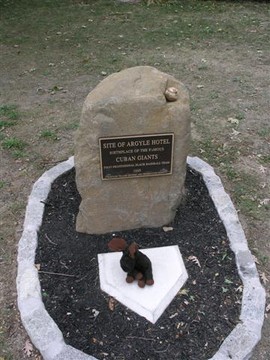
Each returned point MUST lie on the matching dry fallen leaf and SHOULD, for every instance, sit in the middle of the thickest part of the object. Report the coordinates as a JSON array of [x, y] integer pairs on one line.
[[95, 313], [183, 292], [28, 348], [111, 304], [263, 278], [173, 315], [267, 309], [195, 260], [255, 260], [263, 169], [235, 132], [239, 289], [167, 228], [233, 120], [180, 324], [96, 341], [265, 201], [37, 266]]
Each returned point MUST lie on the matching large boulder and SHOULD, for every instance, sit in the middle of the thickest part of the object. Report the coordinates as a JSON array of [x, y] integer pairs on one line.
[[130, 103]]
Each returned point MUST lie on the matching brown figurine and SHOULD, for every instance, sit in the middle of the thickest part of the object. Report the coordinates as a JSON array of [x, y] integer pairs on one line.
[[136, 264]]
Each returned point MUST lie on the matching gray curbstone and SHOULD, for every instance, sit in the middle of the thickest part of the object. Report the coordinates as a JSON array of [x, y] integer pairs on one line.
[[246, 265], [27, 246], [43, 331], [56, 347], [253, 304], [241, 342], [34, 214], [45, 334], [28, 288], [69, 352]]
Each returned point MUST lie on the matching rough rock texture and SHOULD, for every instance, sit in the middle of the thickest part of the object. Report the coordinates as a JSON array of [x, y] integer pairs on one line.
[[128, 103]]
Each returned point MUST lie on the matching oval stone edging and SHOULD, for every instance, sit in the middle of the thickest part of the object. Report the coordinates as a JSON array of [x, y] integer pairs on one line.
[[45, 334]]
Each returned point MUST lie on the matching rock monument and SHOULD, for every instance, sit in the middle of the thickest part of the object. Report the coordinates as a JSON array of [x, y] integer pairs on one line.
[[130, 151]]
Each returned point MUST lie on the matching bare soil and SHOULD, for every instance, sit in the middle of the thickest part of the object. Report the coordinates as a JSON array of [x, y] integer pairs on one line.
[[53, 53]]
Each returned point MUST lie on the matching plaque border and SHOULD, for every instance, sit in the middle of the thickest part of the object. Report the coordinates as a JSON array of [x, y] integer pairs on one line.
[[121, 177]]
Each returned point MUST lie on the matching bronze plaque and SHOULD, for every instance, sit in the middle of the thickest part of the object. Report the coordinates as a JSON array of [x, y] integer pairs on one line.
[[136, 156]]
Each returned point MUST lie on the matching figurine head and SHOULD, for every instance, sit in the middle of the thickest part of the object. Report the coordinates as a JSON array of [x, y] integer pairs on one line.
[[132, 249], [120, 244], [117, 244]]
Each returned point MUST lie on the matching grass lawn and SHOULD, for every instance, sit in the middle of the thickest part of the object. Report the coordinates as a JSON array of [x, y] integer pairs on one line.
[[52, 53]]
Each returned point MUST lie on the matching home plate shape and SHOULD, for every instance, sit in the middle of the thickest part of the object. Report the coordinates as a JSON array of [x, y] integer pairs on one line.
[[150, 302]]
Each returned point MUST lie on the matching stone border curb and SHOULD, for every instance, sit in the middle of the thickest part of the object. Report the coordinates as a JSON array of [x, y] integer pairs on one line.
[[241, 342], [45, 334]]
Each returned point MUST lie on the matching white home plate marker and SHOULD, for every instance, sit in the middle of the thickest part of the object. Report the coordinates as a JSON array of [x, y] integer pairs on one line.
[[150, 302]]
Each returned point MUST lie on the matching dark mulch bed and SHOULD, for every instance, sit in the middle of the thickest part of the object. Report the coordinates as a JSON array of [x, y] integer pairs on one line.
[[195, 323]]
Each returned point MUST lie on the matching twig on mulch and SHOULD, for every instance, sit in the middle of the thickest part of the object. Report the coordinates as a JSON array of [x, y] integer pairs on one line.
[[53, 273], [82, 278], [162, 351], [139, 338], [50, 241]]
